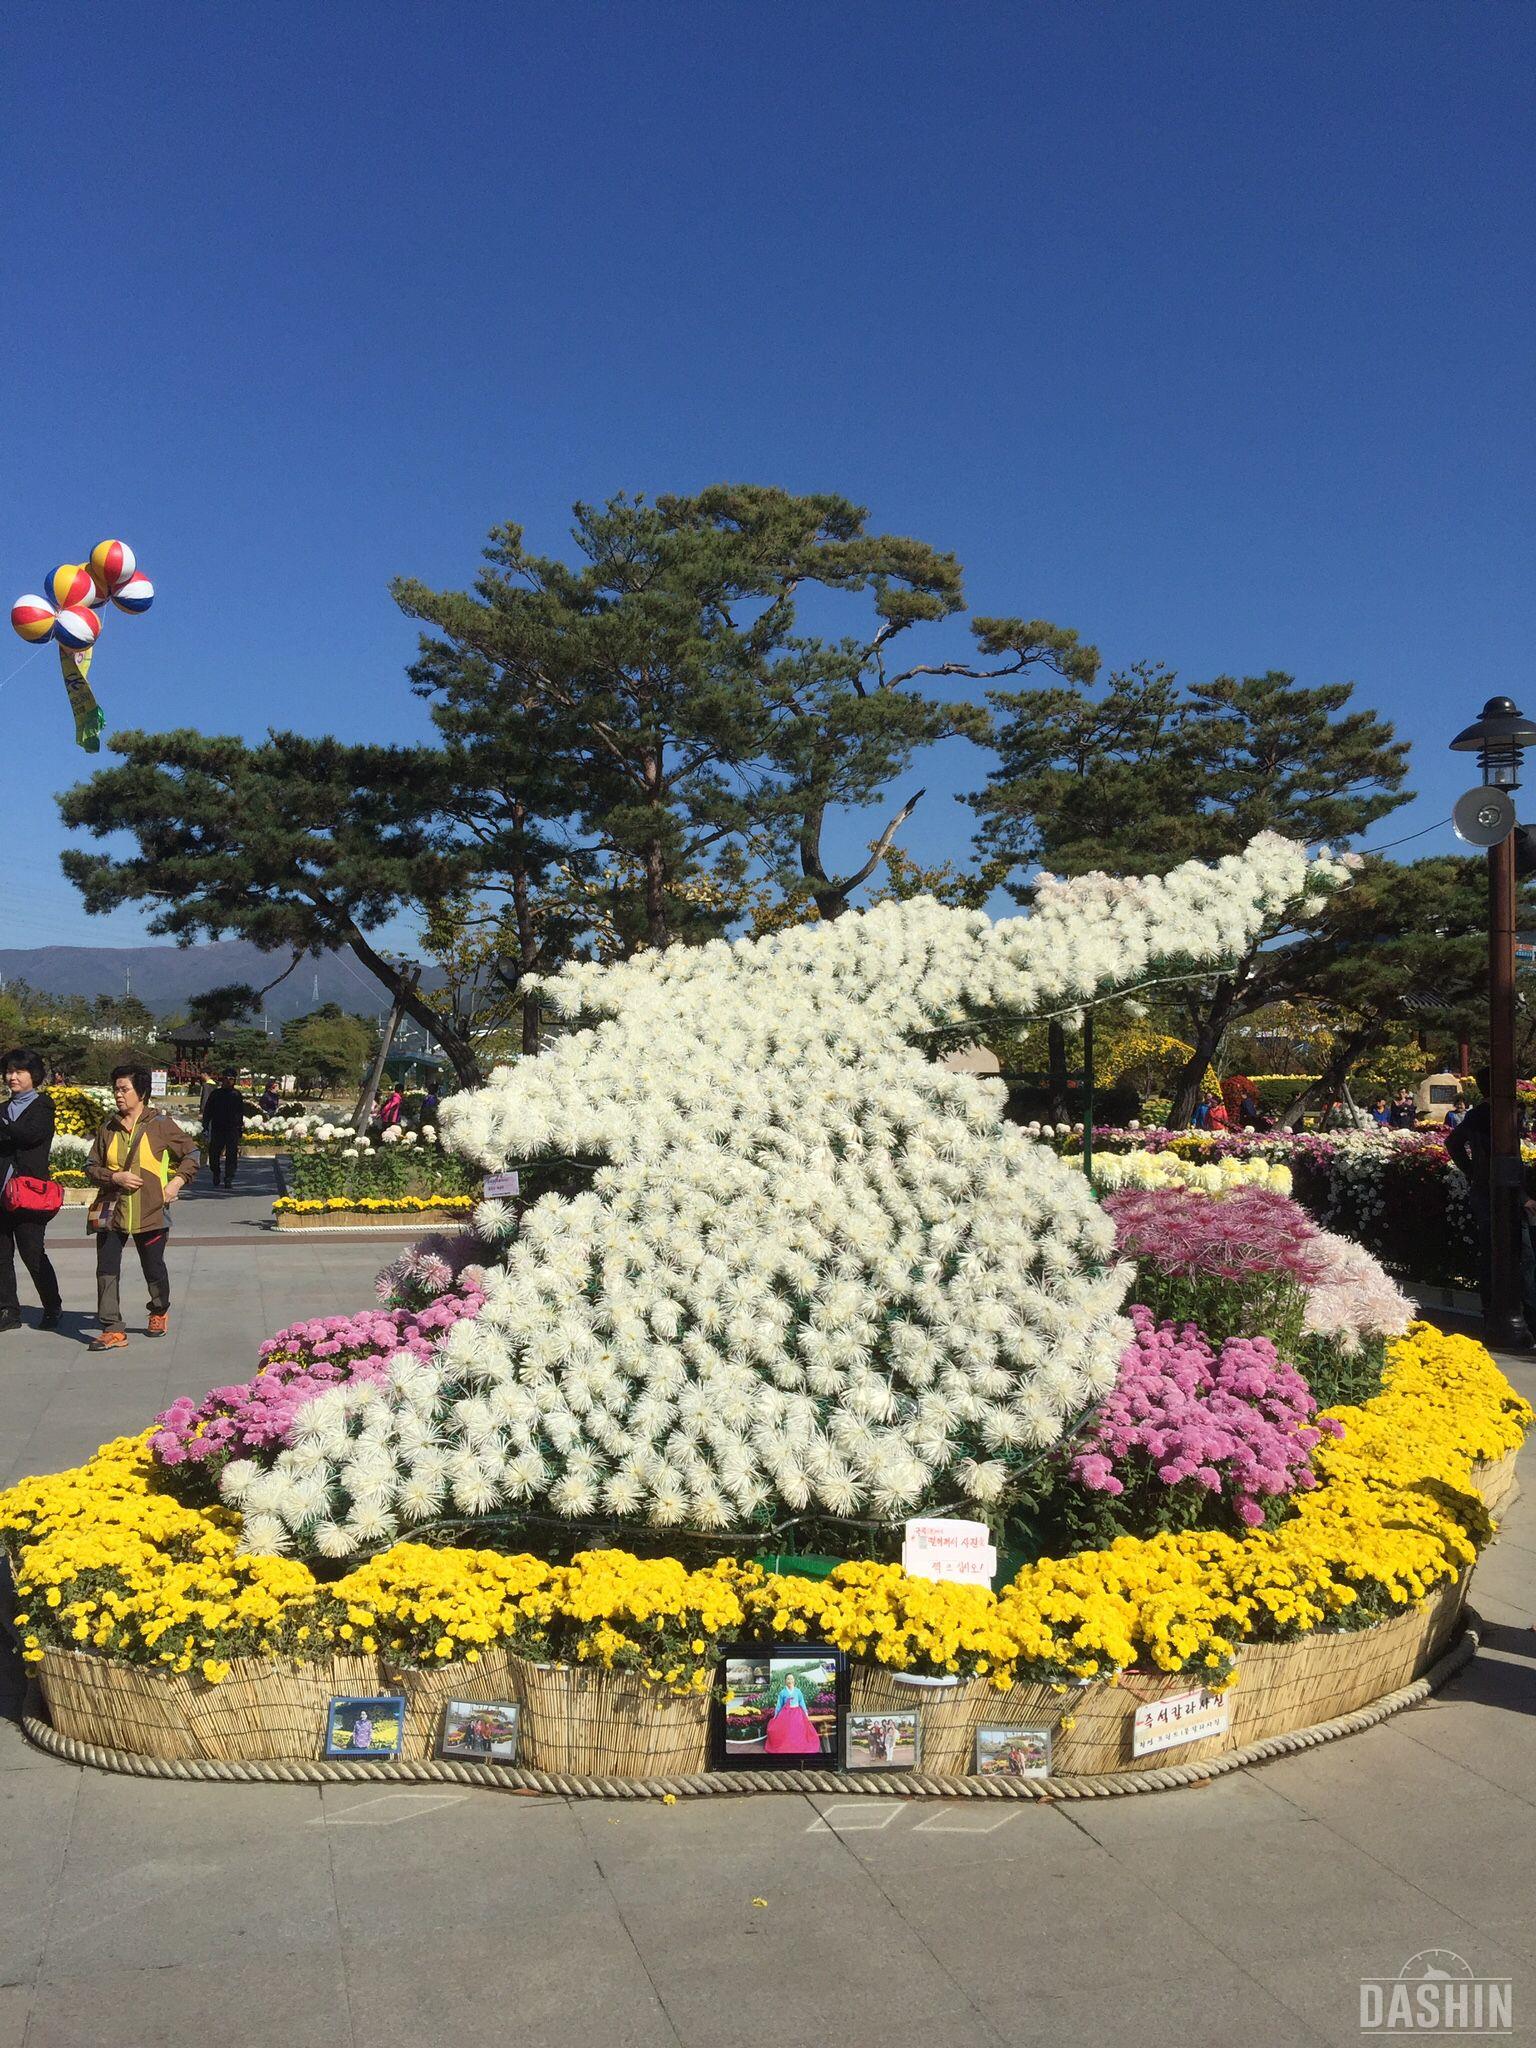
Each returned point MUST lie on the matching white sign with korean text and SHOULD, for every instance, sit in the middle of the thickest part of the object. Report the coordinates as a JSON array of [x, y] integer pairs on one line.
[[961, 1552], [500, 1186], [159, 1081], [1164, 1724]]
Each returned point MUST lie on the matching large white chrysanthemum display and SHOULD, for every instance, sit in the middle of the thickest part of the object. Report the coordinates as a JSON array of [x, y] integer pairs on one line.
[[803, 1269]]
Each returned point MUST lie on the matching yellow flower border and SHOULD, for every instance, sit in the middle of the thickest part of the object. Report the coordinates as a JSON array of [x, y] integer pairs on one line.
[[105, 1561], [385, 1205]]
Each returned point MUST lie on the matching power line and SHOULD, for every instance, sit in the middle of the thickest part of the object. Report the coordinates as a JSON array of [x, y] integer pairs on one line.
[[1407, 836]]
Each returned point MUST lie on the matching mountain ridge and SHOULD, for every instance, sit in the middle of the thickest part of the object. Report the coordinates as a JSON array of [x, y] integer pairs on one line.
[[166, 977]]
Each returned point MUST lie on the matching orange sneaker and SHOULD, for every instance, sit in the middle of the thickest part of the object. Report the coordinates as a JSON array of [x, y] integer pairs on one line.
[[109, 1340], [157, 1323]]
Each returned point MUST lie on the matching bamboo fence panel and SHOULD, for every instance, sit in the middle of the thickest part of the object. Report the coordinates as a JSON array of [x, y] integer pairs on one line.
[[595, 1723], [950, 1713], [428, 1690], [1495, 1480]]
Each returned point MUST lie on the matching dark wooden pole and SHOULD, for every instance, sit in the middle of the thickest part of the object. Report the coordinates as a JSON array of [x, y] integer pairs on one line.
[[1503, 1315], [1088, 1090]]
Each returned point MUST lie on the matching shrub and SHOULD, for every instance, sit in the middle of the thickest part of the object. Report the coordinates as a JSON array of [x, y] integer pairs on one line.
[[1189, 1437], [1236, 1265]]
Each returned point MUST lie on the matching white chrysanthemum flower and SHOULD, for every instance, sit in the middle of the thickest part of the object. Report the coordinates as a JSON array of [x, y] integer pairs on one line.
[[237, 1476], [812, 1264], [265, 1534], [419, 1497]]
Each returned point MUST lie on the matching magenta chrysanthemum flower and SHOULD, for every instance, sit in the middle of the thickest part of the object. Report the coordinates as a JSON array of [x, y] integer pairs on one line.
[[1239, 1423], [1241, 1235]]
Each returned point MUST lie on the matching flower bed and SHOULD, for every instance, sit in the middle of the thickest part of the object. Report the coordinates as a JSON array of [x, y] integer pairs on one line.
[[290, 1213], [401, 1164], [776, 1277], [1396, 1193], [112, 1568], [79, 1112]]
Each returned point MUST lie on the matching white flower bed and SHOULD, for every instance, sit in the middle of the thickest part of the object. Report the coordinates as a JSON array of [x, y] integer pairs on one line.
[[813, 1270]]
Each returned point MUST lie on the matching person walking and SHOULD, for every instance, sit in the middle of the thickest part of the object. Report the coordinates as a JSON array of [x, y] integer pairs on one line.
[[141, 1160], [224, 1116], [390, 1108], [26, 1137]]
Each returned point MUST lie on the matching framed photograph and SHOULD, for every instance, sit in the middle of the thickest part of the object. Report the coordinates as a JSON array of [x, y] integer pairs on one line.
[[780, 1707], [365, 1728], [1006, 1752], [889, 1739], [480, 1731]]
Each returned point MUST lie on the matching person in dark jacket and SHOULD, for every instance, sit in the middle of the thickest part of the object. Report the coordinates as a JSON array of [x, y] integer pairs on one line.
[[224, 1115], [26, 1137]]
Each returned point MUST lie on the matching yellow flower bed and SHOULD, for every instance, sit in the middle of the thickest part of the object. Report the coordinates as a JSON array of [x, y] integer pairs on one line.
[[107, 1562], [79, 1112], [1113, 1170], [377, 1205]]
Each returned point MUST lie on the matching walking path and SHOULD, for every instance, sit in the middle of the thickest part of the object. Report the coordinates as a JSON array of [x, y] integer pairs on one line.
[[1246, 1912]]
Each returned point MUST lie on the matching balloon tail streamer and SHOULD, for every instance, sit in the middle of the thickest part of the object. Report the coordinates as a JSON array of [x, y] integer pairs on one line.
[[89, 716]]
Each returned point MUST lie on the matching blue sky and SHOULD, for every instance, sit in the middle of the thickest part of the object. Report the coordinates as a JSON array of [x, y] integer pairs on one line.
[[1205, 330]]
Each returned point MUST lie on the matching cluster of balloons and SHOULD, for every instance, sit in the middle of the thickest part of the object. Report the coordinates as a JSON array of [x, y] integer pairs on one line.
[[76, 592], [71, 614]]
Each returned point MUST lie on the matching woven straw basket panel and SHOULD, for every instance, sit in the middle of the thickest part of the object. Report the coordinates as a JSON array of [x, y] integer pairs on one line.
[[950, 1714], [1495, 1480], [428, 1691], [607, 1724]]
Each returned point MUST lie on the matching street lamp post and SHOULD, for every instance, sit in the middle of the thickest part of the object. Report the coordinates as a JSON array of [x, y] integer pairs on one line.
[[1499, 738]]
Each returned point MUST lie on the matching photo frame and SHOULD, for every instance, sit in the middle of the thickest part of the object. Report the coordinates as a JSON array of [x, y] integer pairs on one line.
[[378, 1720], [779, 1707], [1011, 1750], [480, 1731], [883, 1739]]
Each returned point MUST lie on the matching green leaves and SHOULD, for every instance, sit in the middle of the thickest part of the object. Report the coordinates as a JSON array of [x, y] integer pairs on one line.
[[680, 714]]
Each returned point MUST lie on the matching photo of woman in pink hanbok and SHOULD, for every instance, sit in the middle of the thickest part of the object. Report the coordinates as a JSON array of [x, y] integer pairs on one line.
[[791, 1731]]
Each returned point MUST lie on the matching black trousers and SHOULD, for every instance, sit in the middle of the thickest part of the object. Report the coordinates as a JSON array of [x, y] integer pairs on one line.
[[227, 1148], [150, 1245], [21, 1233]]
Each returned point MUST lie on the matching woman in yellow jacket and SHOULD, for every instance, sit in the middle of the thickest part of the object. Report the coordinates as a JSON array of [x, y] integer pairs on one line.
[[141, 1161]]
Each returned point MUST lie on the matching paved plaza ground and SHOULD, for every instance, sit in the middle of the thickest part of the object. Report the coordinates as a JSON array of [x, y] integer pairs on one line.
[[1244, 1912]]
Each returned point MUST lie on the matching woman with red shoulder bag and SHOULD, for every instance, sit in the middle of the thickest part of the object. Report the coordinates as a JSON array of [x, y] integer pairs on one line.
[[28, 1198]]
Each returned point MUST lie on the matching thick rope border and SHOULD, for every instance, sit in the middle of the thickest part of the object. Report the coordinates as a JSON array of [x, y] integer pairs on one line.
[[862, 1784]]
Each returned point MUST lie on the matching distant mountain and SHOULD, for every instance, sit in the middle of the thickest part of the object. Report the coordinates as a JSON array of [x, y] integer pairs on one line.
[[165, 977]]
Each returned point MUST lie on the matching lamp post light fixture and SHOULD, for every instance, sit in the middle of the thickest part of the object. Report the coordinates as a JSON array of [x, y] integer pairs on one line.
[[1499, 739]]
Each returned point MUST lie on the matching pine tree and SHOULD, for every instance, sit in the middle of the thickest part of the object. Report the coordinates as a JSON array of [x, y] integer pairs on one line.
[[1151, 772]]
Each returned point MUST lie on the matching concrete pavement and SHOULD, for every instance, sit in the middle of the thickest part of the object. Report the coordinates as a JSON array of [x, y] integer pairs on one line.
[[1246, 1911]]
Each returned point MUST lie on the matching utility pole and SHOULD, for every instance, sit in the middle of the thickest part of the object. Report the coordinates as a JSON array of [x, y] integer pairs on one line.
[[1504, 1314], [1486, 817]]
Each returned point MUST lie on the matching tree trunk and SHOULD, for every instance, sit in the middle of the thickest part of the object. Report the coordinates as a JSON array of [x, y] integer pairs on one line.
[[460, 1053], [1057, 1093], [831, 894], [529, 955], [365, 1101], [1209, 1033], [658, 932], [1322, 1093]]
